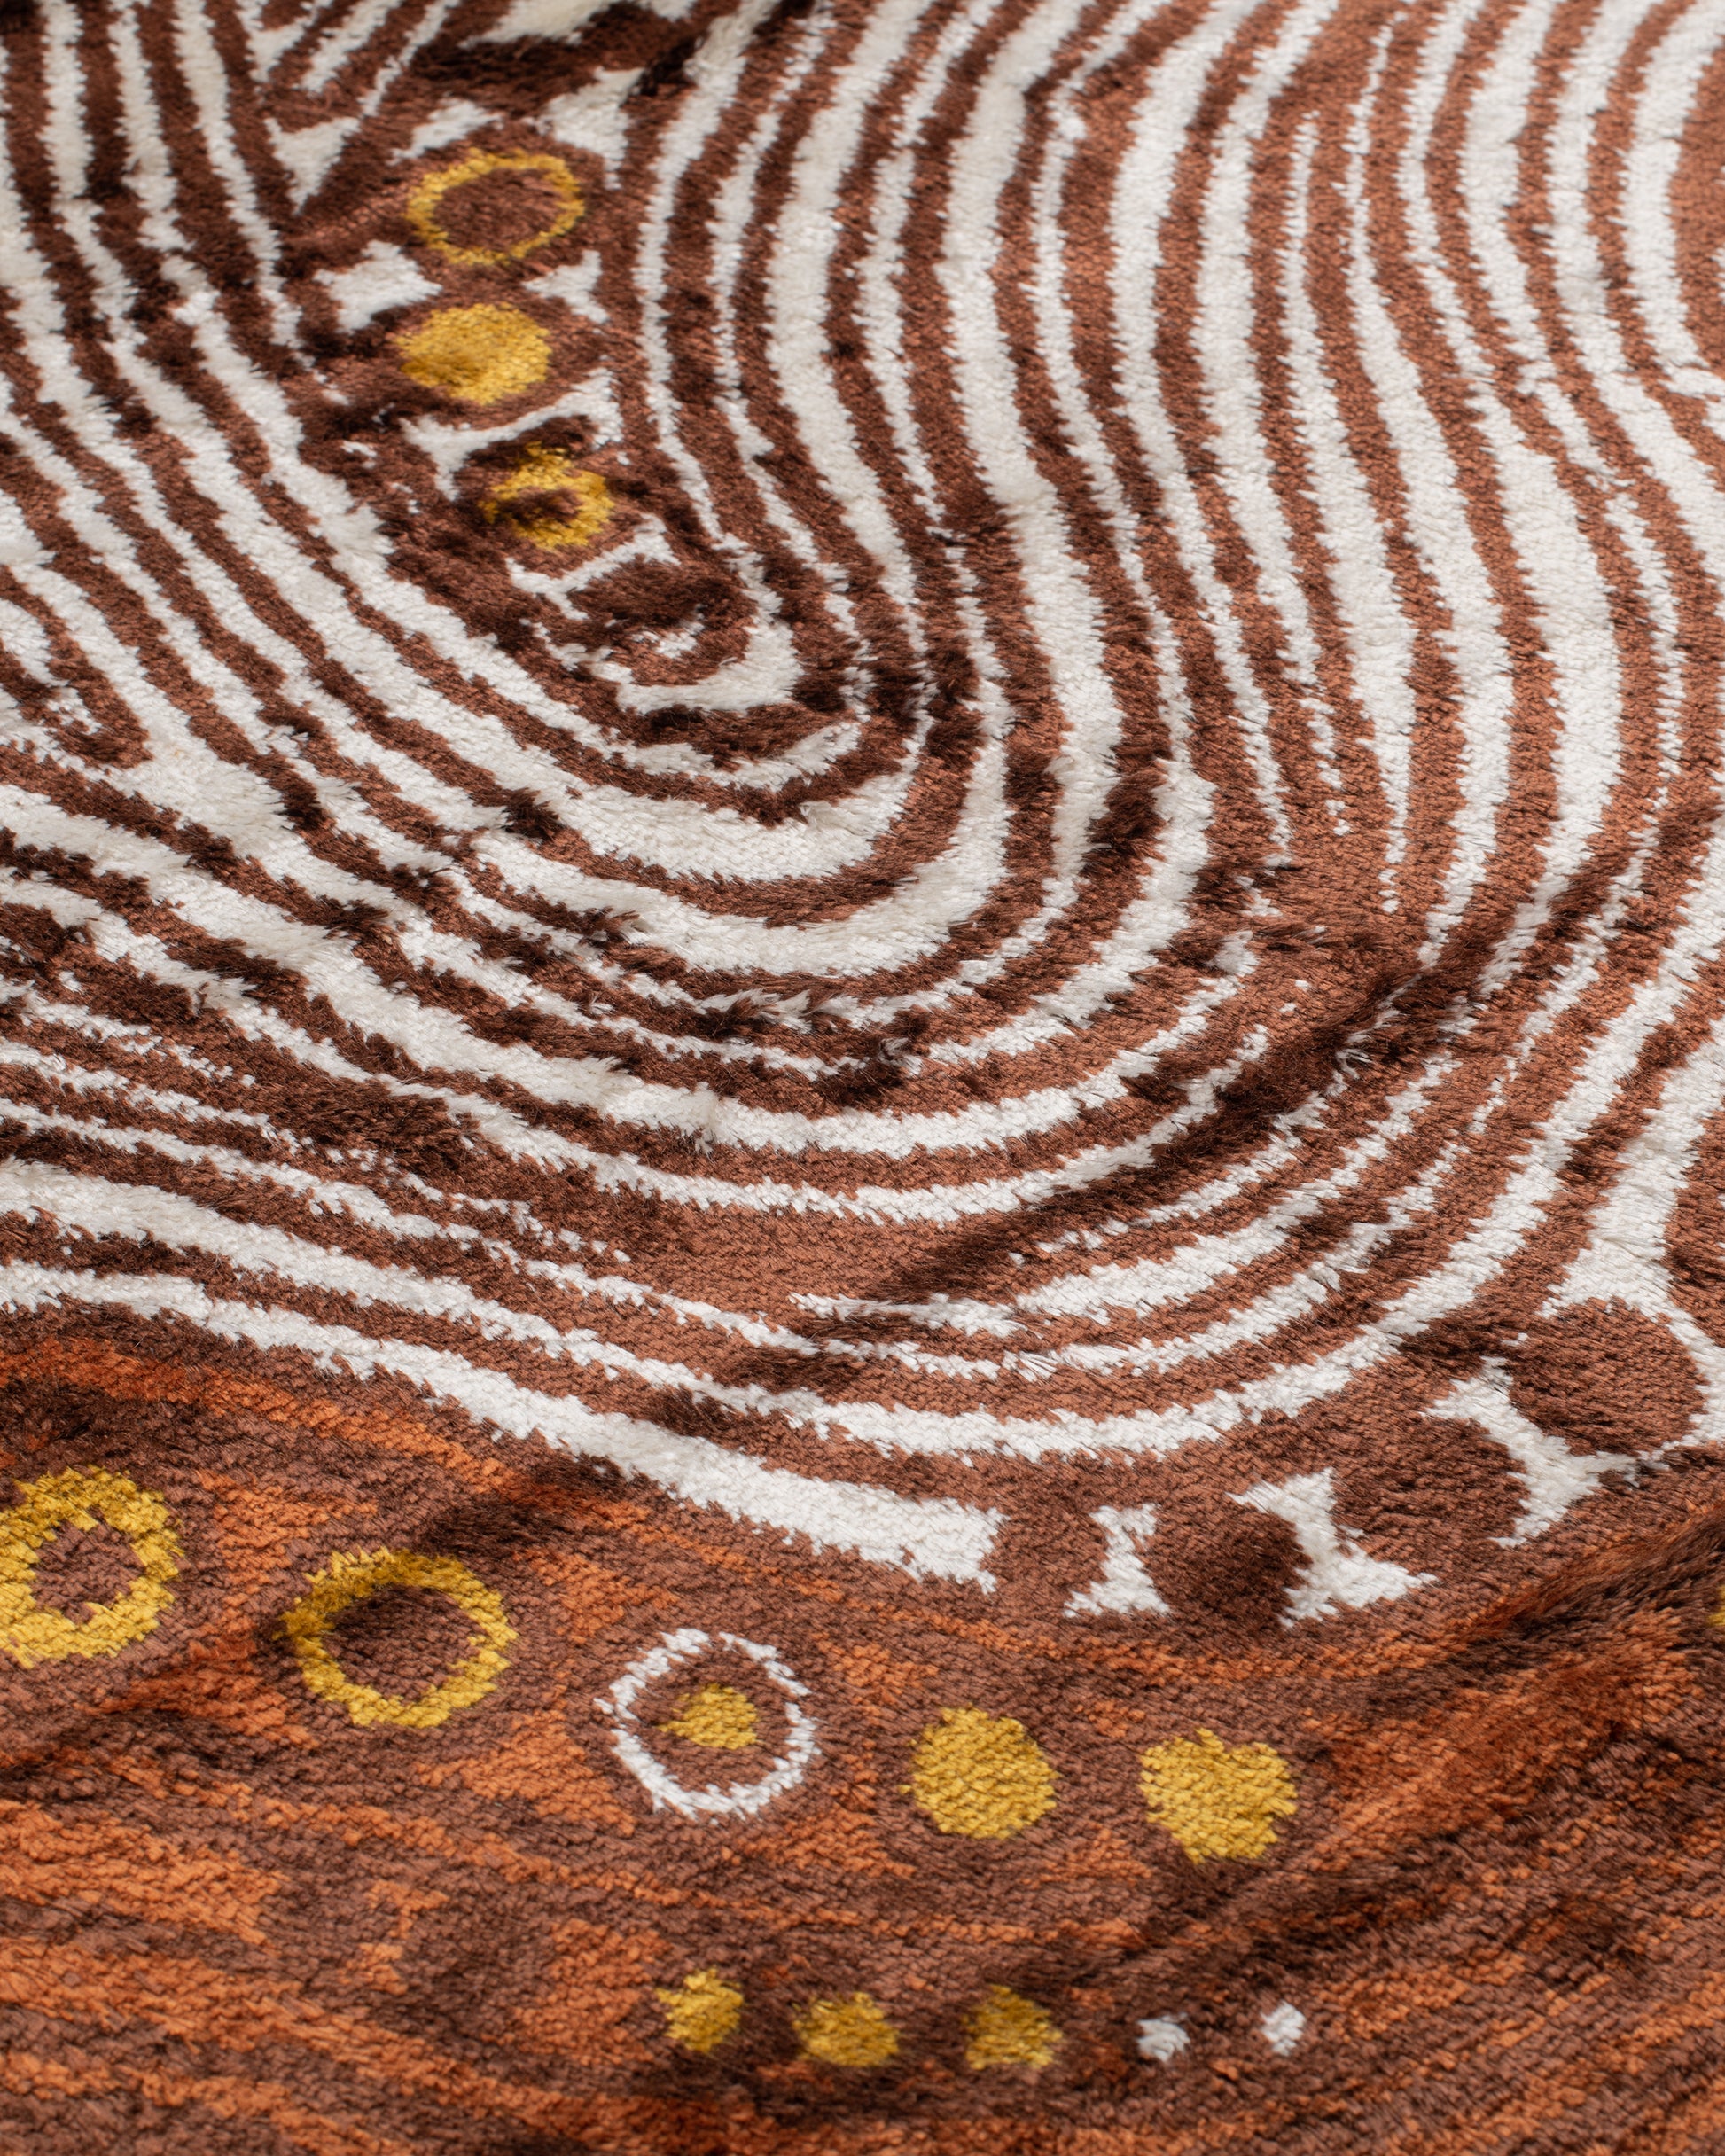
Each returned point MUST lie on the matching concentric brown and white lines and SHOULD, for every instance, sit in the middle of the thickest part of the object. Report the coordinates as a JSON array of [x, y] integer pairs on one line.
[[896, 762]]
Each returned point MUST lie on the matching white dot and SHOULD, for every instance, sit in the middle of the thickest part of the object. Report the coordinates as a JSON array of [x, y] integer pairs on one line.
[[1284, 2027], [1161, 2040]]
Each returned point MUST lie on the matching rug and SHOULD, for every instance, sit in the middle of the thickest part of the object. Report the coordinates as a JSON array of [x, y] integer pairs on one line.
[[864, 1077]]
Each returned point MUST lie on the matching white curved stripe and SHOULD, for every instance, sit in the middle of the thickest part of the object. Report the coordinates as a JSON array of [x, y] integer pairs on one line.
[[1438, 531], [1380, 639], [438, 1040], [1162, 128], [928, 1537], [1222, 331], [1571, 603]]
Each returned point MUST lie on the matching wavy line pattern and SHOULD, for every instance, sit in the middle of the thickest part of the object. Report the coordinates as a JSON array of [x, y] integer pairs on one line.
[[890, 760]]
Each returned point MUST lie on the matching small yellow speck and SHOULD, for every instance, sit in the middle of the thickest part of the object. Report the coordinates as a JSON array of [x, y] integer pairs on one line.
[[703, 2011], [850, 2032], [717, 1716], [1006, 2029]]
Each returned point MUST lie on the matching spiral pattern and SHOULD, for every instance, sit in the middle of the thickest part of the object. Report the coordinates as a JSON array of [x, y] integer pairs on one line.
[[884, 761]]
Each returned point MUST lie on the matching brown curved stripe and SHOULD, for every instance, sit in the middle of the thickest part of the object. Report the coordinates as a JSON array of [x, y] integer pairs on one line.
[[1038, 1037]]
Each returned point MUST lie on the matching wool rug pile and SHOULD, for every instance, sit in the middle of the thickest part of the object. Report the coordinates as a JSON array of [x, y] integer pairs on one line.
[[862, 1075]]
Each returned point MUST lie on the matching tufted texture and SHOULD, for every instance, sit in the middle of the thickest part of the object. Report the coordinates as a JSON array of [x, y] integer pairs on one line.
[[861, 883]]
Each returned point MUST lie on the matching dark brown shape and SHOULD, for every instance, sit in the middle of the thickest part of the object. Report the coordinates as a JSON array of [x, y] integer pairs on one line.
[[1606, 1378]]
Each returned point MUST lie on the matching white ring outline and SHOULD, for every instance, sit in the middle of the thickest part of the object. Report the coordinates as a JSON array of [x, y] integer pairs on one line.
[[741, 1798]]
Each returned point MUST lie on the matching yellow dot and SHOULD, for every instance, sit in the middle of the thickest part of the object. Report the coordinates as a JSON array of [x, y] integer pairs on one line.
[[547, 471], [717, 1716], [81, 1498], [426, 198], [850, 2032], [981, 1774], [481, 355], [1006, 2029], [1217, 1800], [703, 2011], [355, 1579]]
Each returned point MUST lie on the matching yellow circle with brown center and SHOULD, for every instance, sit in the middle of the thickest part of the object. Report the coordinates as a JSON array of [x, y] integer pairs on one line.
[[479, 355], [552, 474], [350, 1579], [980, 1775], [82, 1497], [426, 206]]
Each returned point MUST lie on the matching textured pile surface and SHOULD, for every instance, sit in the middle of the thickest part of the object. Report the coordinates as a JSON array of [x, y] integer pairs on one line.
[[861, 1067]]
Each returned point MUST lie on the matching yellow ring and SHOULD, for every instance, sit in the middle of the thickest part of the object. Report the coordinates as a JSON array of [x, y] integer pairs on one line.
[[355, 1578], [79, 1497], [422, 205], [547, 471]]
